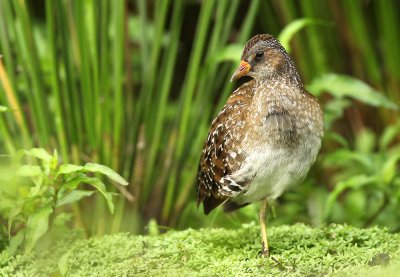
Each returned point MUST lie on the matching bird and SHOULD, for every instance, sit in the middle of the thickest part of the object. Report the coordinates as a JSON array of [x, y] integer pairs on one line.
[[265, 138]]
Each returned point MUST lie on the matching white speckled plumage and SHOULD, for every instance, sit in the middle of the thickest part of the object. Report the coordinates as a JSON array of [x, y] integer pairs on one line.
[[267, 135], [279, 149]]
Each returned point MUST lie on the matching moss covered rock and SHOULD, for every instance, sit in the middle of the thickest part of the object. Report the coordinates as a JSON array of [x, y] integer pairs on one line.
[[297, 250]]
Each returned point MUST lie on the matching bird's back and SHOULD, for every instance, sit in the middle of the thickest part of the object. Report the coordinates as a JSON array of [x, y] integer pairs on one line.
[[221, 155]]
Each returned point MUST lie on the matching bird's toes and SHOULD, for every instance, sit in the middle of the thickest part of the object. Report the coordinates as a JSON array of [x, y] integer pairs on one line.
[[263, 253]]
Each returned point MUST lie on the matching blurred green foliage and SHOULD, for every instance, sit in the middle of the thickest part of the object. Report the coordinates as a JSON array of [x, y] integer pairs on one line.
[[134, 85], [32, 191], [367, 181]]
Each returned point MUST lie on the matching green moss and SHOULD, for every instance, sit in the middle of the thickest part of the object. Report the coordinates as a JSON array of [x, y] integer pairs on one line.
[[297, 250]]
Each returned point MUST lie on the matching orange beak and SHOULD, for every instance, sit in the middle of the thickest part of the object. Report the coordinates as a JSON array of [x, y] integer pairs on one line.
[[242, 70]]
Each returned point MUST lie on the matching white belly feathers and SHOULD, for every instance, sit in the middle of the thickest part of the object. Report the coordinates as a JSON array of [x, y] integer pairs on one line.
[[275, 169]]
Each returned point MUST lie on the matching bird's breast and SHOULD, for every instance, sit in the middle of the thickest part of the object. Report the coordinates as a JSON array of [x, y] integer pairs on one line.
[[284, 119]]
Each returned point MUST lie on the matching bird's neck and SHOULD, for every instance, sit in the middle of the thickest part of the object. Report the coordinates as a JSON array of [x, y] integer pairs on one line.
[[286, 74]]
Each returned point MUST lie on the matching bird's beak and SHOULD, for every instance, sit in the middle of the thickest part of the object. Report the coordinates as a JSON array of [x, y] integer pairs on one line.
[[242, 70]]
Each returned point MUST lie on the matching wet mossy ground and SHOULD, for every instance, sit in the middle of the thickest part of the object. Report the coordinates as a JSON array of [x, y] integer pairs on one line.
[[298, 250]]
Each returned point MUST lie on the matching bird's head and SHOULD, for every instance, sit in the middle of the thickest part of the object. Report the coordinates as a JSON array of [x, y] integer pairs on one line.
[[263, 57]]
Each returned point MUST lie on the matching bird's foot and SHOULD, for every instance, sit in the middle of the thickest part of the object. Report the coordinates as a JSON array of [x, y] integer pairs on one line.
[[264, 252]]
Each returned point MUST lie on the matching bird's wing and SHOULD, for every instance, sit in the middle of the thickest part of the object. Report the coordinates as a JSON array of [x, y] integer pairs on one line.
[[221, 155]]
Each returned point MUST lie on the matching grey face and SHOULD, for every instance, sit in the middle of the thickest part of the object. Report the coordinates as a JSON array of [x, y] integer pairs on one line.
[[266, 58], [263, 58]]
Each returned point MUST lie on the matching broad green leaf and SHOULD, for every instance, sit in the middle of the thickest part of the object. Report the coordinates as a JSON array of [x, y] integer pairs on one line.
[[355, 203], [344, 156], [16, 241], [231, 52], [334, 110], [92, 167], [29, 170], [355, 182], [74, 196], [389, 134], [73, 183], [37, 226], [3, 109], [6, 175], [152, 227], [337, 138], [102, 189], [365, 141], [13, 214], [39, 153], [389, 168], [6, 203], [35, 190], [346, 86], [69, 168], [95, 182], [296, 25]]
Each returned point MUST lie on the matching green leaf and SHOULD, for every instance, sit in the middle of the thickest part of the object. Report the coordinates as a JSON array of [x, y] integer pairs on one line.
[[16, 241], [35, 190], [231, 52], [342, 86], [152, 226], [389, 134], [334, 110], [389, 168], [39, 153], [73, 183], [92, 167], [13, 214], [355, 182], [37, 226], [337, 138], [6, 203], [296, 25], [29, 170], [345, 156], [95, 182], [355, 203], [365, 141], [3, 109], [102, 189], [73, 196], [7, 174], [54, 160], [69, 168]]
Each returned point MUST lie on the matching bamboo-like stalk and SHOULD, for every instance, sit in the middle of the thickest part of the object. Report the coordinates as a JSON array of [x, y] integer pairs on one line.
[[317, 50], [72, 103], [187, 92], [80, 10], [27, 51], [388, 20], [361, 37], [167, 73], [14, 104], [56, 90], [151, 96], [118, 65]]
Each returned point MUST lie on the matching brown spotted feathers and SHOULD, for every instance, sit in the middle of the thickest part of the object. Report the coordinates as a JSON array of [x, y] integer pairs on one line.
[[265, 138]]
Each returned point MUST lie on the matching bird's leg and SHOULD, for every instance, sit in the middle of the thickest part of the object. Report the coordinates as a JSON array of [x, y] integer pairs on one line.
[[262, 217]]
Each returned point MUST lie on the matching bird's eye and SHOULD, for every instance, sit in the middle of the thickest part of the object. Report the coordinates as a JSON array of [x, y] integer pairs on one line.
[[259, 54]]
